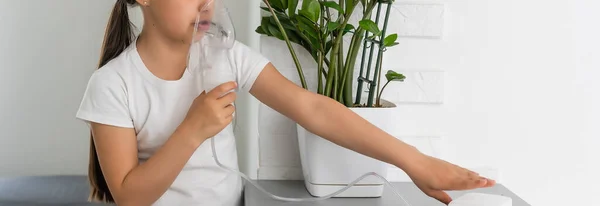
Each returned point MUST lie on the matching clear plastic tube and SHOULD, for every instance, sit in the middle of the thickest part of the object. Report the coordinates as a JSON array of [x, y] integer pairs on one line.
[[291, 199]]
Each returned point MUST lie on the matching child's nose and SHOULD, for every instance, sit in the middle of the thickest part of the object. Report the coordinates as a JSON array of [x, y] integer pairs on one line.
[[206, 5]]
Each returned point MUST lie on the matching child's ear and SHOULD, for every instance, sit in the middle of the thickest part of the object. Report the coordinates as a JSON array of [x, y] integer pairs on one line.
[[143, 2]]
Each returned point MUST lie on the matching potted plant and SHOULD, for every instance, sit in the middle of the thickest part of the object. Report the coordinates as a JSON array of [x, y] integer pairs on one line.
[[320, 27]]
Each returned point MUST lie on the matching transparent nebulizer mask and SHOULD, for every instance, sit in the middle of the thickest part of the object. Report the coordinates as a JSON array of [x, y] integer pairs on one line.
[[213, 36]]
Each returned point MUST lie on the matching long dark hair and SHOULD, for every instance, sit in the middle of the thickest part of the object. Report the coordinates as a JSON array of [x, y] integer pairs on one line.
[[119, 35]]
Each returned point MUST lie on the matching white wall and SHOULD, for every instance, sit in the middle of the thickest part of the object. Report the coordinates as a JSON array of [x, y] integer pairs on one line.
[[508, 90], [48, 51]]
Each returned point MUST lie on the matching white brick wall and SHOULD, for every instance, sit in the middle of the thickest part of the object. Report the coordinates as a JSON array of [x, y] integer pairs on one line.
[[420, 87], [417, 20]]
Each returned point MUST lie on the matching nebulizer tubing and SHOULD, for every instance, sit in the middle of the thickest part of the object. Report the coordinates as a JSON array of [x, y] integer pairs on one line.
[[213, 35]]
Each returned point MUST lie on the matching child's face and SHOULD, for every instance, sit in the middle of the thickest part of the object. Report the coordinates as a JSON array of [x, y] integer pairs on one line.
[[176, 18]]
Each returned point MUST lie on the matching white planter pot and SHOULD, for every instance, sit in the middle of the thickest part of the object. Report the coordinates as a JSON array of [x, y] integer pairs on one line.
[[328, 167]]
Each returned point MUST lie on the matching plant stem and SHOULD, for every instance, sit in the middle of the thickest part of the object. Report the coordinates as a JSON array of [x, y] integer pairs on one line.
[[335, 53], [338, 77], [335, 83], [331, 72], [379, 77], [289, 44], [330, 20], [320, 76], [346, 83], [380, 93], [322, 50], [342, 4], [308, 46]]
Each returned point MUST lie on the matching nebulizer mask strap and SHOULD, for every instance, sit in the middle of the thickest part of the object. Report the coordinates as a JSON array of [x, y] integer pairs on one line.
[[213, 36]]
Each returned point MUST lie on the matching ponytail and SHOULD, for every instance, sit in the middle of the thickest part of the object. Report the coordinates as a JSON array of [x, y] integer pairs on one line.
[[119, 32], [119, 35]]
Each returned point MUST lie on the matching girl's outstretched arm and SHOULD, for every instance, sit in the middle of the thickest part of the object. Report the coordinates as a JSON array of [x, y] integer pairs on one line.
[[331, 120]]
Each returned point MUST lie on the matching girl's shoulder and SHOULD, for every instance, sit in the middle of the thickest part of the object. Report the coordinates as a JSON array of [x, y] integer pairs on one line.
[[113, 75], [105, 99], [247, 62]]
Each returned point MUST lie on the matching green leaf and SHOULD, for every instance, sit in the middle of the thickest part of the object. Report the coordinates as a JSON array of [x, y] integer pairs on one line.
[[349, 27], [307, 27], [334, 5], [293, 36], [267, 10], [308, 15], [284, 4], [394, 76], [280, 15], [264, 24], [390, 40], [277, 5], [292, 6], [288, 25], [273, 29], [370, 26], [314, 42], [260, 30], [276, 33], [285, 22], [331, 26], [305, 4], [311, 33], [301, 19], [305, 23], [314, 8]]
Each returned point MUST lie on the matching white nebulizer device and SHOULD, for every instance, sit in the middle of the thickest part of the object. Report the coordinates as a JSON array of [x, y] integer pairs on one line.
[[213, 36]]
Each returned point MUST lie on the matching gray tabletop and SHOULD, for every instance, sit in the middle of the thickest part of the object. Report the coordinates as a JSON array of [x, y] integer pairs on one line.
[[74, 190], [414, 196], [45, 191]]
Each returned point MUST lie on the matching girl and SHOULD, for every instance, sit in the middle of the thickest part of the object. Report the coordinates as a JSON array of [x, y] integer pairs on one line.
[[150, 118]]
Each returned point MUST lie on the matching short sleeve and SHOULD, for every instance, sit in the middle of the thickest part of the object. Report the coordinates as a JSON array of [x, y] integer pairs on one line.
[[105, 100], [248, 64]]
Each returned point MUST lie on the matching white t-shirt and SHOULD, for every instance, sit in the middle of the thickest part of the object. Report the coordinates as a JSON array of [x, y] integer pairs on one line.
[[125, 93]]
